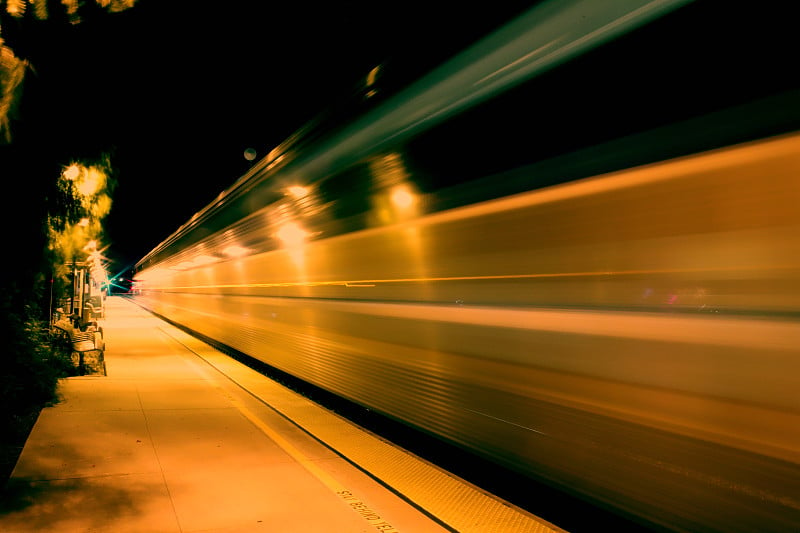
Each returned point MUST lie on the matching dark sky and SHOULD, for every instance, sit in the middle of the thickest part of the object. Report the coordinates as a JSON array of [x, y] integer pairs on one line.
[[175, 92]]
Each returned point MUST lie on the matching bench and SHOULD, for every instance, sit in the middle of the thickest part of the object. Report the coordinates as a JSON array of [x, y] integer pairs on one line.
[[86, 341], [88, 346]]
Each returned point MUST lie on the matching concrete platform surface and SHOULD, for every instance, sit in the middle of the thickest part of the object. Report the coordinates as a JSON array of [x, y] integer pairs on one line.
[[178, 437]]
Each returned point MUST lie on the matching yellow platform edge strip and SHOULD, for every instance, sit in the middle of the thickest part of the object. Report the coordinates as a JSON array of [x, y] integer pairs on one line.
[[453, 501]]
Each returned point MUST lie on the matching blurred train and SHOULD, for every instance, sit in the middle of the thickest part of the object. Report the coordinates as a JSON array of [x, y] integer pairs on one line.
[[573, 249]]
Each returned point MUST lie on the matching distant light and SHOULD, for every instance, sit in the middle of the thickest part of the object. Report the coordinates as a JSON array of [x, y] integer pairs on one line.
[[205, 260], [72, 172], [297, 191], [250, 154], [291, 234], [236, 251], [373, 76], [16, 9], [402, 198]]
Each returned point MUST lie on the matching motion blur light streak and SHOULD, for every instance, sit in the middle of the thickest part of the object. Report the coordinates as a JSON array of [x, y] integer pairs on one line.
[[205, 260], [402, 198], [615, 317], [298, 192], [235, 251], [292, 235], [693, 376]]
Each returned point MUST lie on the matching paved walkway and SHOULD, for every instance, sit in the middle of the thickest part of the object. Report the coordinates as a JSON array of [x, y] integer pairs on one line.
[[167, 442]]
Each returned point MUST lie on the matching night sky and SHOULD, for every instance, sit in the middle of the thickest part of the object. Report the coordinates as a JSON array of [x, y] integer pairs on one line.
[[173, 96]]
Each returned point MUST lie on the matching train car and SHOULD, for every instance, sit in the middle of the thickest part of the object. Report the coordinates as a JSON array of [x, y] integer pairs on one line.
[[572, 249]]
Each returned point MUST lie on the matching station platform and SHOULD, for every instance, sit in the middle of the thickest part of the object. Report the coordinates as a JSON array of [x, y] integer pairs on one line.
[[179, 437]]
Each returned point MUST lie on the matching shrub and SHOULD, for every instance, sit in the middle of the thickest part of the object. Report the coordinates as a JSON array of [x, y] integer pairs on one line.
[[34, 361]]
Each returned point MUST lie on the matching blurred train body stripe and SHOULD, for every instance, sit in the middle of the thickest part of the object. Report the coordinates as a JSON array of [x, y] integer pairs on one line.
[[618, 318]]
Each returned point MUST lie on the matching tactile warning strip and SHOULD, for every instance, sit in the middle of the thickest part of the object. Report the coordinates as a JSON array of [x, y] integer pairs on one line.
[[449, 499]]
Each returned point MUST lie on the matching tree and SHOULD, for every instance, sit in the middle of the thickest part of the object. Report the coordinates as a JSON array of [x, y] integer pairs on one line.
[[13, 68], [50, 222], [75, 218]]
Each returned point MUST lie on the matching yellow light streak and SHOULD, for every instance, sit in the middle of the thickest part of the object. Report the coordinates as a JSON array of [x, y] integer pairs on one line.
[[291, 234], [374, 282], [297, 191], [236, 251]]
